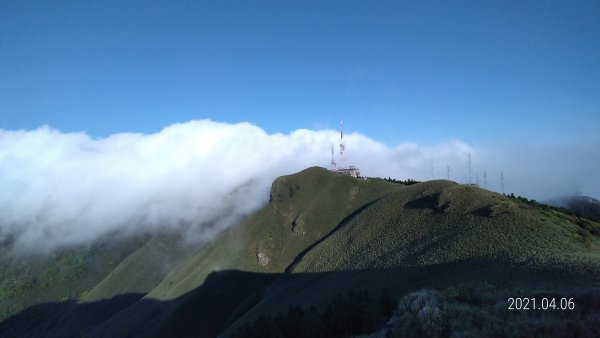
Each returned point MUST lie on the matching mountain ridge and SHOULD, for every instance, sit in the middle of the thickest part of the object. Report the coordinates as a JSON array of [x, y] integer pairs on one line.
[[322, 233]]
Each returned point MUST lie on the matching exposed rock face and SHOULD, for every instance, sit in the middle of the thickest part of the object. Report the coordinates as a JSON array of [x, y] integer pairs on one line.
[[263, 259], [297, 226]]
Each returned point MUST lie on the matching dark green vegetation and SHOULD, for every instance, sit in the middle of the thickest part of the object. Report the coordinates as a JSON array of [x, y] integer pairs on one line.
[[326, 239], [473, 309], [78, 274], [409, 181], [64, 275], [347, 315]]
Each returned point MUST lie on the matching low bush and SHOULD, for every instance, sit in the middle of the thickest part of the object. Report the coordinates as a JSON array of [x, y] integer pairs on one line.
[[347, 315]]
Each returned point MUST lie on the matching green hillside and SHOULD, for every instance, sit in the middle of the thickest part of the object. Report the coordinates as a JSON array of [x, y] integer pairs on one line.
[[67, 274], [438, 234], [440, 222], [142, 270], [302, 209], [324, 239]]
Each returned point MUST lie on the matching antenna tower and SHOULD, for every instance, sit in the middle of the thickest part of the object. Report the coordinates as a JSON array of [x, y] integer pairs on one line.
[[469, 168], [484, 179], [502, 181], [448, 172], [332, 159], [342, 147]]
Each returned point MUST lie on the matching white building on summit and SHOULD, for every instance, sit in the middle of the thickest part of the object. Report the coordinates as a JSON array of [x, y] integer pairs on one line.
[[351, 170], [340, 166]]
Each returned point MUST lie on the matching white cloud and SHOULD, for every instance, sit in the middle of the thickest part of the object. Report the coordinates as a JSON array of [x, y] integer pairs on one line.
[[68, 188]]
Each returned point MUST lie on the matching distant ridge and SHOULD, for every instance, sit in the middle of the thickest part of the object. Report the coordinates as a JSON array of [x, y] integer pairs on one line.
[[585, 206]]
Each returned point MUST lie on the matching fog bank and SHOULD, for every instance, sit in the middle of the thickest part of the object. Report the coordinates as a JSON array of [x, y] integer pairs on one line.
[[60, 189]]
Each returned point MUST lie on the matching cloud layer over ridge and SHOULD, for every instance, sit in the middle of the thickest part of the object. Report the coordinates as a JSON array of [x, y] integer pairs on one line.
[[68, 188]]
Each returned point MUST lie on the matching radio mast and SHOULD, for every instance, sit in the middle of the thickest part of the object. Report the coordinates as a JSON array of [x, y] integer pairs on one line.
[[332, 159], [484, 179], [469, 168], [342, 147]]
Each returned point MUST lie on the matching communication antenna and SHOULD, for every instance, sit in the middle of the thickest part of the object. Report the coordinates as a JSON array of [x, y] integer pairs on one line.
[[477, 179], [484, 179], [342, 147], [448, 172], [332, 159], [502, 181], [469, 168]]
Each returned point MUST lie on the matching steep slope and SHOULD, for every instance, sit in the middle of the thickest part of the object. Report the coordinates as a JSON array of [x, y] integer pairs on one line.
[[302, 209], [143, 269]]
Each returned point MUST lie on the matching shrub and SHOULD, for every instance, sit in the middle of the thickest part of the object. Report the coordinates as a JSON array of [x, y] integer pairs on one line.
[[347, 315], [420, 315]]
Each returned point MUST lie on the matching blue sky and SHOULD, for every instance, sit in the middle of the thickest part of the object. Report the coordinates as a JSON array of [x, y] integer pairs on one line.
[[487, 72]]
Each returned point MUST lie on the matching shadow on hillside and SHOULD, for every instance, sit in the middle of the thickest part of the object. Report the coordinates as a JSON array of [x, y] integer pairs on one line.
[[63, 319], [431, 202], [340, 225], [202, 311], [227, 296]]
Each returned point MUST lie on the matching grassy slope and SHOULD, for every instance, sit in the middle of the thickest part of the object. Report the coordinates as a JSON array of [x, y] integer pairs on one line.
[[298, 214], [397, 231], [64, 275], [88, 273], [143, 269], [303, 208], [436, 234]]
